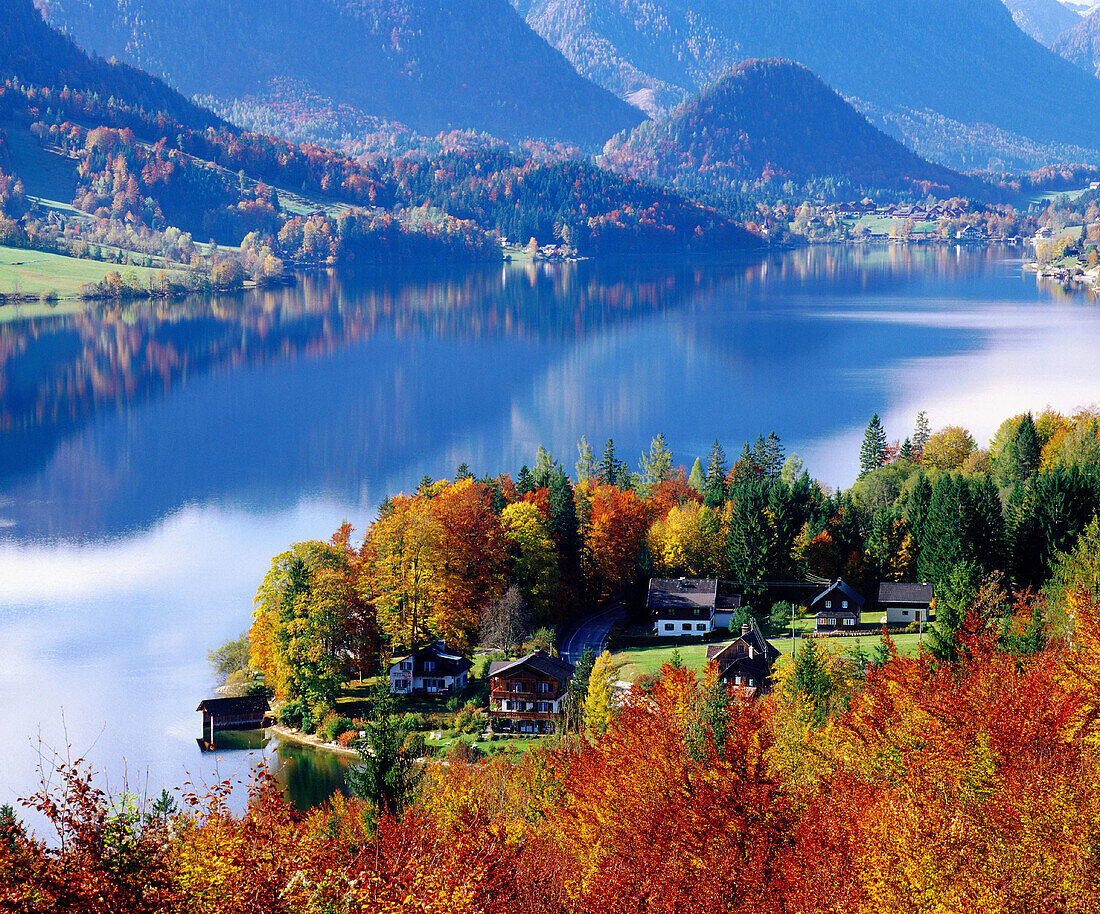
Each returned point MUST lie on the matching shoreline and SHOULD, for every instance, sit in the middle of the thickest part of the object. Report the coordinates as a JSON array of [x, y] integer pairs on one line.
[[305, 739]]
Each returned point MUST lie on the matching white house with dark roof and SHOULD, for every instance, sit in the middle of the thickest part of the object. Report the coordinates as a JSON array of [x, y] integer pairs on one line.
[[682, 606], [435, 669], [905, 602], [837, 607]]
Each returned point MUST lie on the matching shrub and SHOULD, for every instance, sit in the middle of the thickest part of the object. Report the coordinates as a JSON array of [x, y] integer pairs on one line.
[[333, 725], [453, 703], [348, 737], [292, 714], [468, 720], [463, 750], [413, 720]]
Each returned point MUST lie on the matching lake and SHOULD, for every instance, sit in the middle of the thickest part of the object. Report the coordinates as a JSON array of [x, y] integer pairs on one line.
[[153, 458]]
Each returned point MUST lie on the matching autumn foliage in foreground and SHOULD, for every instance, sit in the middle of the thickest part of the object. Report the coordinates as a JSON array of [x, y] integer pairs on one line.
[[968, 786]]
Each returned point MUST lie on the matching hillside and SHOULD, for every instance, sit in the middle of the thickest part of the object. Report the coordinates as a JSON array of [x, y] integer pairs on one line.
[[1081, 44], [434, 67], [1043, 20], [35, 54], [768, 122], [956, 79]]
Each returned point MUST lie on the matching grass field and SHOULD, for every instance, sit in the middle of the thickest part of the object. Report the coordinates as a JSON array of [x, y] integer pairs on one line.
[[882, 225], [35, 272], [640, 661], [44, 173]]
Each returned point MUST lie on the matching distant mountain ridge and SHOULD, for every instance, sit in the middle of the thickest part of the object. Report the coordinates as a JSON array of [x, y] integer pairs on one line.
[[1081, 44], [432, 66], [933, 68], [1043, 20], [771, 121]]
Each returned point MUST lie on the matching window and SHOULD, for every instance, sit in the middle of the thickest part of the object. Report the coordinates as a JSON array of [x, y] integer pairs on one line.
[[669, 626], [701, 627], [848, 620], [686, 626], [905, 612], [828, 604], [843, 604], [406, 666], [828, 621], [517, 686], [543, 707], [737, 680], [544, 687], [429, 666]]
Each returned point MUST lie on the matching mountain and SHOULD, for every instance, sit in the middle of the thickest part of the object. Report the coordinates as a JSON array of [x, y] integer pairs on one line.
[[956, 79], [1043, 20], [772, 122], [429, 65], [1081, 7], [1081, 44], [34, 54]]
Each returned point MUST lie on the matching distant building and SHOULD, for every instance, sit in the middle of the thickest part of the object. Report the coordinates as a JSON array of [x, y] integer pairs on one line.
[[725, 609], [838, 607], [747, 661], [434, 669], [528, 695], [905, 602], [682, 606]]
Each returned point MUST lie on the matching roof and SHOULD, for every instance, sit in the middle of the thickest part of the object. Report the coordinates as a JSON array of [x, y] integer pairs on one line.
[[838, 587], [759, 643], [890, 592], [728, 601], [242, 705], [447, 661], [540, 661], [680, 593]]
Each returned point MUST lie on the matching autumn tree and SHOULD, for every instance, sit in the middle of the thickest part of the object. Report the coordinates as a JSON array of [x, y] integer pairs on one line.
[[506, 622], [599, 700]]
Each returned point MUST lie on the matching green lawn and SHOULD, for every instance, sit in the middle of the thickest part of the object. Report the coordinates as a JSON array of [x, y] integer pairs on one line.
[[649, 660], [35, 272]]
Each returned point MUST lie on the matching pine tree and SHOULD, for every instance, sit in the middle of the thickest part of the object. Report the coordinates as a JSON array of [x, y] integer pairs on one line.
[[608, 470], [771, 456], [921, 435], [388, 770], [1020, 458], [714, 486], [525, 481], [872, 454], [578, 690], [656, 466], [906, 452], [587, 468], [697, 480]]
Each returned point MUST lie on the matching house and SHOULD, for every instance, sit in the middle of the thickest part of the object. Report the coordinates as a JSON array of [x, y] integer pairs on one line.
[[434, 669], [528, 695], [905, 602], [682, 606], [244, 713], [725, 609], [837, 607], [746, 662]]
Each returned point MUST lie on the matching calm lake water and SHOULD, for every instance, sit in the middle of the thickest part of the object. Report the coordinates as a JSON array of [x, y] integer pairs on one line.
[[153, 460]]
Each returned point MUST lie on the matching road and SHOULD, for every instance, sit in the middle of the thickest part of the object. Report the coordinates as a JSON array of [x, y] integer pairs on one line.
[[593, 631]]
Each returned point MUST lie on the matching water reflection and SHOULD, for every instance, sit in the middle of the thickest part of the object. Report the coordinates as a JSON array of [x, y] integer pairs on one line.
[[309, 777]]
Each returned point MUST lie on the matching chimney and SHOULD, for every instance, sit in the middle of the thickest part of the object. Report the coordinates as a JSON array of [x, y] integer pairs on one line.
[[745, 628]]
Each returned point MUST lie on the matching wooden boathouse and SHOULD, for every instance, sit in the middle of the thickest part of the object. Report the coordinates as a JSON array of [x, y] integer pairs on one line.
[[245, 713]]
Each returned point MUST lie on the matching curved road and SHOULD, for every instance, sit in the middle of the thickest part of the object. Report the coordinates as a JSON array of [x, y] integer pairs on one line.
[[593, 631]]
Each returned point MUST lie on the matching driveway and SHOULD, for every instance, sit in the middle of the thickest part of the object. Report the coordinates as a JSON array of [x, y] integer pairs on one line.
[[593, 631]]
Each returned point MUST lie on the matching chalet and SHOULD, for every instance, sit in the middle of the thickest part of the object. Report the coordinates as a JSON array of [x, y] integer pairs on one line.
[[434, 669], [970, 233], [905, 602], [837, 607], [682, 606], [746, 662], [244, 713], [528, 695]]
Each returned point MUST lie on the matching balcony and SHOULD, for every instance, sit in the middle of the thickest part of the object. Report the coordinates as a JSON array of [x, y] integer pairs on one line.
[[524, 715], [508, 695]]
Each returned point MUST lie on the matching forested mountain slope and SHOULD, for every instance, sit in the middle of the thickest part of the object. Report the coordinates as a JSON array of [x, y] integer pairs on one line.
[[1043, 20], [956, 78], [34, 54], [433, 66], [766, 123], [1081, 44]]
